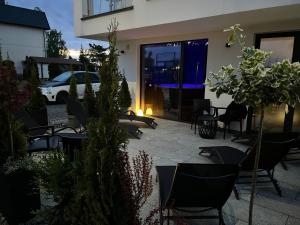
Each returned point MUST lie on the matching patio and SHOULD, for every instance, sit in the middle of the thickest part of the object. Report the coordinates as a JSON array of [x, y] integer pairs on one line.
[[173, 142]]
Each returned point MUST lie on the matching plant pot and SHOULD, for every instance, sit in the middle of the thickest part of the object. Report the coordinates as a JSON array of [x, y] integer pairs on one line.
[[40, 116], [73, 122], [19, 195]]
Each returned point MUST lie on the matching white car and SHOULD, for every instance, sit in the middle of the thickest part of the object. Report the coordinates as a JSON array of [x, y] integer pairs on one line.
[[57, 89]]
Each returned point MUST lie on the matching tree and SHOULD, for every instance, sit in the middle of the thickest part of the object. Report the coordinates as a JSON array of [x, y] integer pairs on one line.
[[257, 86], [36, 100], [101, 186], [13, 95], [29, 65], [124, 95], [97, 54], [56, 45], [72, 91], [83, 57], [89, 96]]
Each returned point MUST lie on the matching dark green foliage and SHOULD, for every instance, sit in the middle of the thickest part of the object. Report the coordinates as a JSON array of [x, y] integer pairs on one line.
[[89, 97], [83, 57], [54, 70], [56, 46], [73, 88], [97, 54], [124, 95], [36, 100], [29, 65], [7, 63], [13, 96], [100, 187]]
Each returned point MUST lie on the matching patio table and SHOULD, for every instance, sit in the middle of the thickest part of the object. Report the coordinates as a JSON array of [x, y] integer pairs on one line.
[[207, 126]]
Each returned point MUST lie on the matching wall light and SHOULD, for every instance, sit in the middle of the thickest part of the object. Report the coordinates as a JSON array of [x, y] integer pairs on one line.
[[149, 112], [140, 112]]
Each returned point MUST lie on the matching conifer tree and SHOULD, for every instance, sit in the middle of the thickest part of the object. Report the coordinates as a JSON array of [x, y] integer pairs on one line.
[[72, 91], [36, 100], [124, 95], [89, 97]]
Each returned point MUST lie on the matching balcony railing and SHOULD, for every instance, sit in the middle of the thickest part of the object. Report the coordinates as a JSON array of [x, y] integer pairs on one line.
[[98, 7]]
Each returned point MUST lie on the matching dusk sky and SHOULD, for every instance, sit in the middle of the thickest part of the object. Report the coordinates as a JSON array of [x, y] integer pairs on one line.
[[60, 17]]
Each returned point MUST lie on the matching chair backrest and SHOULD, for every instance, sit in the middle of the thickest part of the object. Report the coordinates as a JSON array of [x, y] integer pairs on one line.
[[273, 150], [77, 110], [202, 185], [23, 116], [201, 105], [236, 111]]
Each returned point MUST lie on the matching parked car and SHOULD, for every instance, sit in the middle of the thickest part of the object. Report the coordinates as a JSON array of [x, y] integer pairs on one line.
[[57, 89]]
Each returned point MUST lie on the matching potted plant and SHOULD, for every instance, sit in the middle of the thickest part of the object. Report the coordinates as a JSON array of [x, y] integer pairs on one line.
[[17, 193], [255, 85], [36, 105]]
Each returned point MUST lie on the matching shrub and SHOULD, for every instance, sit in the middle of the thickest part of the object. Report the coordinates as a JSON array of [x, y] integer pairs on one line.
[[36, 100], [124, 95], [89, 97]]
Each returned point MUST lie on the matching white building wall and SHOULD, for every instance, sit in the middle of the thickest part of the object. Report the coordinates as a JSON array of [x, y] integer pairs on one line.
[[19, 42], [218, 54], [156, 12]]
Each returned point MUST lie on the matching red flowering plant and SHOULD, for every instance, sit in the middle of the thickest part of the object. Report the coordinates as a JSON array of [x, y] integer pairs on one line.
[[13, 95]]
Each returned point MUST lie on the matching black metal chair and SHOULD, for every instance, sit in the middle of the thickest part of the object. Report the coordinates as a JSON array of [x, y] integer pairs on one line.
[[195, 188], [200, 107], [78, 111], [272, 153], [234, 113], [130, 115], [40, 138]]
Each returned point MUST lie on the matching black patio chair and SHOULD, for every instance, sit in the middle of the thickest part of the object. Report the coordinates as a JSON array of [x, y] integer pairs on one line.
[[200, 107], [78, 111], [234, 113], [194, 188], [272, 153], [130, 115], [40, 138]]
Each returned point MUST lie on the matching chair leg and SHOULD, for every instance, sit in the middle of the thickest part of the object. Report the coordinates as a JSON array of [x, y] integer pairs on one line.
[[161, 218], [283, 165], [275, 183], [168, 219], [236, 193], [241, 127], [221, 219], [225, 126]]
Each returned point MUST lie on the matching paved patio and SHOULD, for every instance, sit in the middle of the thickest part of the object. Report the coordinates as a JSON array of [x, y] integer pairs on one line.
[[174, 142]]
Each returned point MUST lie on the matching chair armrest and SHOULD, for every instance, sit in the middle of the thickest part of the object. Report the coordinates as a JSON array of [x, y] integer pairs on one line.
[[64, 128], [43, 127], [216, 110]]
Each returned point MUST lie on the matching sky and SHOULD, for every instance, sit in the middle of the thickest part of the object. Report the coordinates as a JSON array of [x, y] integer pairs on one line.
[[60, 17]]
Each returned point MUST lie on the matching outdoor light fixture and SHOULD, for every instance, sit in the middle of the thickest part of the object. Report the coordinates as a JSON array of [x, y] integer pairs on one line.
[[149, 112], [140, 112]]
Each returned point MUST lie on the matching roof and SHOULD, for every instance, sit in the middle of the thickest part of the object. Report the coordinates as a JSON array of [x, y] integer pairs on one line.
[[56, 61], [23, 17]]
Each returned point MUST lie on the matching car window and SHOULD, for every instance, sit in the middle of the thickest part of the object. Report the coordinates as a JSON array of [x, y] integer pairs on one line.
[[79, 78], [95, 78], [62, 77]]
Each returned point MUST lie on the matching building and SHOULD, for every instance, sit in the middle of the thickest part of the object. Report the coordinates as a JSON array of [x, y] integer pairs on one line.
[[169, 47], [22, 33]]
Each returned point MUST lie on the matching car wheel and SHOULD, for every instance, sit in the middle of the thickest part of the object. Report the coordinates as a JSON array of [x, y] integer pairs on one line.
[[60, 98]]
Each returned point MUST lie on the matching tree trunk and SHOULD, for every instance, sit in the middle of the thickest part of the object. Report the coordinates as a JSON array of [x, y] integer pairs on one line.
[[256, 163]]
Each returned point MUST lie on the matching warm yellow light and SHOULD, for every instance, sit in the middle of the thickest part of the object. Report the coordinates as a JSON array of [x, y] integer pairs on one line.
[[140, 112], [149, 112]]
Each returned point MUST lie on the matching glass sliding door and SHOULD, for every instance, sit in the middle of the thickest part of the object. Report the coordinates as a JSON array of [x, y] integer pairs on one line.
[[194, 69], [284, 45], [160, 79], [172, 75]]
